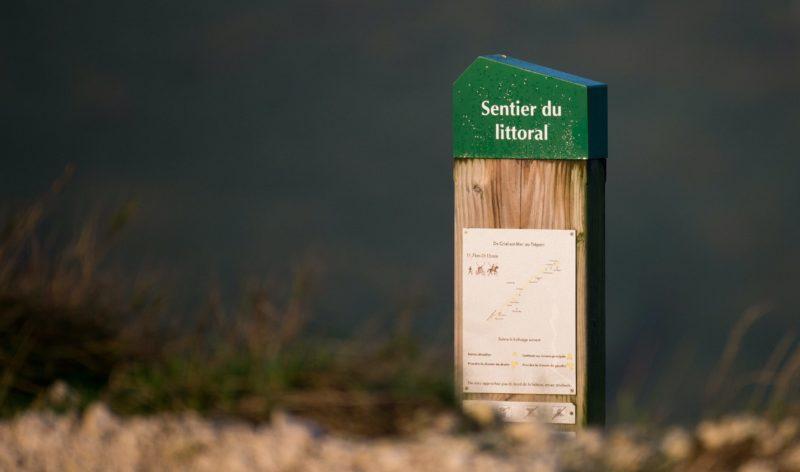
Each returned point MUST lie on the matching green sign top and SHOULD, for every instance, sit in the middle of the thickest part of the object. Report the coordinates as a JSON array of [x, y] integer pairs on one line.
[[507, 108]]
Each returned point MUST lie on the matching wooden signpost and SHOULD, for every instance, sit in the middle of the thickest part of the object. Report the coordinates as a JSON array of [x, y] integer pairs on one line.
[[530, 148]]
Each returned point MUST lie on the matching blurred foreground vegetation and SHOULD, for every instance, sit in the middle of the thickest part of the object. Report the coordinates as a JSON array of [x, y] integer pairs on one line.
[[73, 330]]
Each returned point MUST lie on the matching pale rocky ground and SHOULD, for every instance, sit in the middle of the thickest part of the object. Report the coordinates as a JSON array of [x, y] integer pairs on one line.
[[99, 440]]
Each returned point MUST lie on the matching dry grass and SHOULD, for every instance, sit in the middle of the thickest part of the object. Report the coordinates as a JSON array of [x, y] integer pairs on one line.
[[100, 440], [61, 316], [66, 315], [648, 390], [68, 318], [774, 390]]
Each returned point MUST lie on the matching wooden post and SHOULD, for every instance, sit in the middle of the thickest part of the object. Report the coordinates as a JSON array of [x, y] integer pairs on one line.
[[530, 145]]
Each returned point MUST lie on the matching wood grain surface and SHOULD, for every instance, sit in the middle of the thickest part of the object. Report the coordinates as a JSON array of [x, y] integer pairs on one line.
[[539, 194]]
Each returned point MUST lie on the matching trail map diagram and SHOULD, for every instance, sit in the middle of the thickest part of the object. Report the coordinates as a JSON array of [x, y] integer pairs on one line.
[[518, 319]]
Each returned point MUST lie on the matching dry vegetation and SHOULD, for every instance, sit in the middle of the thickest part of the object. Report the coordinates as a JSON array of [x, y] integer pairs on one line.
[[202, 392], [67, 317], [99, 440]]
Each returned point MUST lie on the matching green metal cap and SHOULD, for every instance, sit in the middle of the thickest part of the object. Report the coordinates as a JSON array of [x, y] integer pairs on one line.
[[507, 108]]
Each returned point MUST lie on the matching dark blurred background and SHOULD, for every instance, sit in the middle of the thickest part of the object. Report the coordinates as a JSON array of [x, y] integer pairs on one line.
[[256, 136]]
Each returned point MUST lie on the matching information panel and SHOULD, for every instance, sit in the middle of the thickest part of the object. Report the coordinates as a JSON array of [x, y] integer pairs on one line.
[[518, 327]]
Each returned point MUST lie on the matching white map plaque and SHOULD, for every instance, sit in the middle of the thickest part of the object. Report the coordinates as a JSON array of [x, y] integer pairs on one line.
[[518, 322]]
